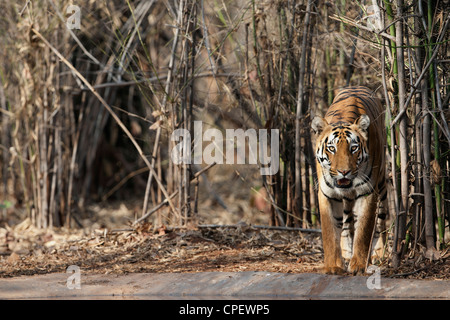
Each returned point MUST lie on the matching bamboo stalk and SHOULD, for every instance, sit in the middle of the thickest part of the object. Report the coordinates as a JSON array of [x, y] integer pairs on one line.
[[403, 137], [428, 200], [4, 140], [418, 139], [434, 96], [298, 198], [188, 91]]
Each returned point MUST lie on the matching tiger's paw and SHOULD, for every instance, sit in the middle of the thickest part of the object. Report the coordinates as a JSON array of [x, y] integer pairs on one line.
[[356, 266], [333, 270]]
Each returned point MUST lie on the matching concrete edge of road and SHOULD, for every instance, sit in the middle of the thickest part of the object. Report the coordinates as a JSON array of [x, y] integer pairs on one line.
[[218, 285]]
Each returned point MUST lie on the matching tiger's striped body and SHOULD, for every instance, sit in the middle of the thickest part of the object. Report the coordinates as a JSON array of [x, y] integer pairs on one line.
[[351, 172]]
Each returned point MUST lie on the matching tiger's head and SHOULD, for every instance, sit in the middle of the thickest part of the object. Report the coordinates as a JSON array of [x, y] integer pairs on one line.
[[341, 149]]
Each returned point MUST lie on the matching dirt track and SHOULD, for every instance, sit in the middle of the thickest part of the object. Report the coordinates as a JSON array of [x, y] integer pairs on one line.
[[219, 285], [240, 262]]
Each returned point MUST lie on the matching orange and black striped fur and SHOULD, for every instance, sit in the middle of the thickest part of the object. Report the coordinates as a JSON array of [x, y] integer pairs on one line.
[[350, 155]]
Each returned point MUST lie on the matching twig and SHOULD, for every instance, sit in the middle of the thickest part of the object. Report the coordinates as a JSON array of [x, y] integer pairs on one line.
[[350, 22], [156, 79], [24, 7], [407, 273], [123, 181]]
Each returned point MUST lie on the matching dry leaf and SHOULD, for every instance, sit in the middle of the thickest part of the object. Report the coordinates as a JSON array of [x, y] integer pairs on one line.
[[156, 125], [435, 172], [13, 258], [162, 230], [432, 254], [253, 75], [156, 113]]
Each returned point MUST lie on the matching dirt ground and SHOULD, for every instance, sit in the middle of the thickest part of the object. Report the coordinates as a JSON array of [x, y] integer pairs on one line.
[[25, 250], [163, 250]]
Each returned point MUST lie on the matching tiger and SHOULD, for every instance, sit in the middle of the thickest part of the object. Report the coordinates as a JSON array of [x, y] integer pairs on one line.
[[352, 194]]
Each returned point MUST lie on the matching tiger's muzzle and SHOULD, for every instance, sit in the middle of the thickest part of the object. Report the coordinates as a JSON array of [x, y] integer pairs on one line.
[[343, 183], [343, 179]]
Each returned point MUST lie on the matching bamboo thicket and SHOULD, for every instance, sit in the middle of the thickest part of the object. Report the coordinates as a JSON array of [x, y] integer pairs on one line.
[[87, 114]]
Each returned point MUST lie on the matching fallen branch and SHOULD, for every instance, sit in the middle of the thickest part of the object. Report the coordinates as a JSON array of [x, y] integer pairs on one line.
[[407, 273], [259, 227]]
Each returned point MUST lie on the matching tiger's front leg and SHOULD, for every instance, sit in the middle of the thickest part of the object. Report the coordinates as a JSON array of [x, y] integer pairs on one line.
[[379, 239], [331, 220], [364, 215], [347, 230]]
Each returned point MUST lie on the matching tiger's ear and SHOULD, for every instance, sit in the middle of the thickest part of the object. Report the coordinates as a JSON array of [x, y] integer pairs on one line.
[[318, 124], [363, 123]]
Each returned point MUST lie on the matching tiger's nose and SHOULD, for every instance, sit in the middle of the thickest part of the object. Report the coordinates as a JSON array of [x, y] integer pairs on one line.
[[343, 172]]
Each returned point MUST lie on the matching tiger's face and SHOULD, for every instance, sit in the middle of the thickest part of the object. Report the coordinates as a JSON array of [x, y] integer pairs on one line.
[[341, 149]]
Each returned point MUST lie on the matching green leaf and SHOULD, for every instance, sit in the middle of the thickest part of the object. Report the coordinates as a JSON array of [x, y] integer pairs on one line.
[[6, 204]]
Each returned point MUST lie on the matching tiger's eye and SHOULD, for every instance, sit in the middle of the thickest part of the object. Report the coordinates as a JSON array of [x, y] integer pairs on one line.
[[353, 148], [331, 149]]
